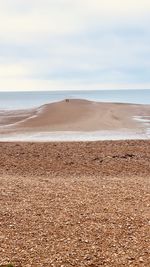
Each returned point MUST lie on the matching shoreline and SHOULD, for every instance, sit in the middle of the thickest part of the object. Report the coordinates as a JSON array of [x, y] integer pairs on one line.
[[75, 136]]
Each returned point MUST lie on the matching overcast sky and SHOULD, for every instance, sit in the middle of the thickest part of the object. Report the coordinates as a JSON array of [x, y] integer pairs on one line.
[[74, 44]]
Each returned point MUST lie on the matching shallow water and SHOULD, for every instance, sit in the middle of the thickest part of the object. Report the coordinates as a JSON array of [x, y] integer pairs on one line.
[[76, 136], [145, 120]]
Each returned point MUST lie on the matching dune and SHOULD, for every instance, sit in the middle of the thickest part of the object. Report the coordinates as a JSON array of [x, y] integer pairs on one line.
[[74, 115]]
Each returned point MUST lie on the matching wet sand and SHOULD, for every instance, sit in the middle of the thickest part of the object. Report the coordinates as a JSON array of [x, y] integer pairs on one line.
[[75, 204], [74, 115], [76, 120]]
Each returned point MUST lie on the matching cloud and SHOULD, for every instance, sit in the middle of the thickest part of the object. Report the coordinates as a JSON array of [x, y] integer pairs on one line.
[[31, 19], [64, 44], [10, 71], [45, 85]]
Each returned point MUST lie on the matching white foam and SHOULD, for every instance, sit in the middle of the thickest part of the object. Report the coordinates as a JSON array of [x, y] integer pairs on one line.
[[75, 136], [145, 121]]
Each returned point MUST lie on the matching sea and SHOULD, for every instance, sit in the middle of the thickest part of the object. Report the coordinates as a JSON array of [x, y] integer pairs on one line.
[[28, 100], [25, 100]]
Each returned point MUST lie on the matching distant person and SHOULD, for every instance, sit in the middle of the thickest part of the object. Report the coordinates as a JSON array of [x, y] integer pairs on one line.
[[67, 100]]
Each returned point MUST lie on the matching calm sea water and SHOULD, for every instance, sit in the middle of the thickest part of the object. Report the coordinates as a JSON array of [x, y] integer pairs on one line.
[[23, 100]]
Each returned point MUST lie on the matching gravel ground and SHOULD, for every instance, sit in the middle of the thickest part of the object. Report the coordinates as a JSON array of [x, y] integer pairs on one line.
[[75, 204]]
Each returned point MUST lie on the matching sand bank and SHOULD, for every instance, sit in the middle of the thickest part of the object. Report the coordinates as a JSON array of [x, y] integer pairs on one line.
[[75, 115], [76, 120]]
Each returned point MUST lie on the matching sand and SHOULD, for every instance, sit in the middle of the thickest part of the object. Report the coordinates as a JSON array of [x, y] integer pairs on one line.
[[74, 115], [75, 204]]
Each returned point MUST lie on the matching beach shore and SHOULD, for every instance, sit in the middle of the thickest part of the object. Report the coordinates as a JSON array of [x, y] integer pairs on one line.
[[74, 115], [76, 120], [75, 204]]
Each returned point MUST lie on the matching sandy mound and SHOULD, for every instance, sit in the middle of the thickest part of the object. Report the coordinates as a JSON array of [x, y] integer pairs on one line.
[[76, 115]]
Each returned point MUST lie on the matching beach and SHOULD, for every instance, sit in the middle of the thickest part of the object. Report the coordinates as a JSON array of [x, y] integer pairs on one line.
[[75, 203], [74, 133]]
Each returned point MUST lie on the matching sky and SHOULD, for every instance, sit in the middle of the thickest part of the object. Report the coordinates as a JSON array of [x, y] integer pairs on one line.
[[74, 44]]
